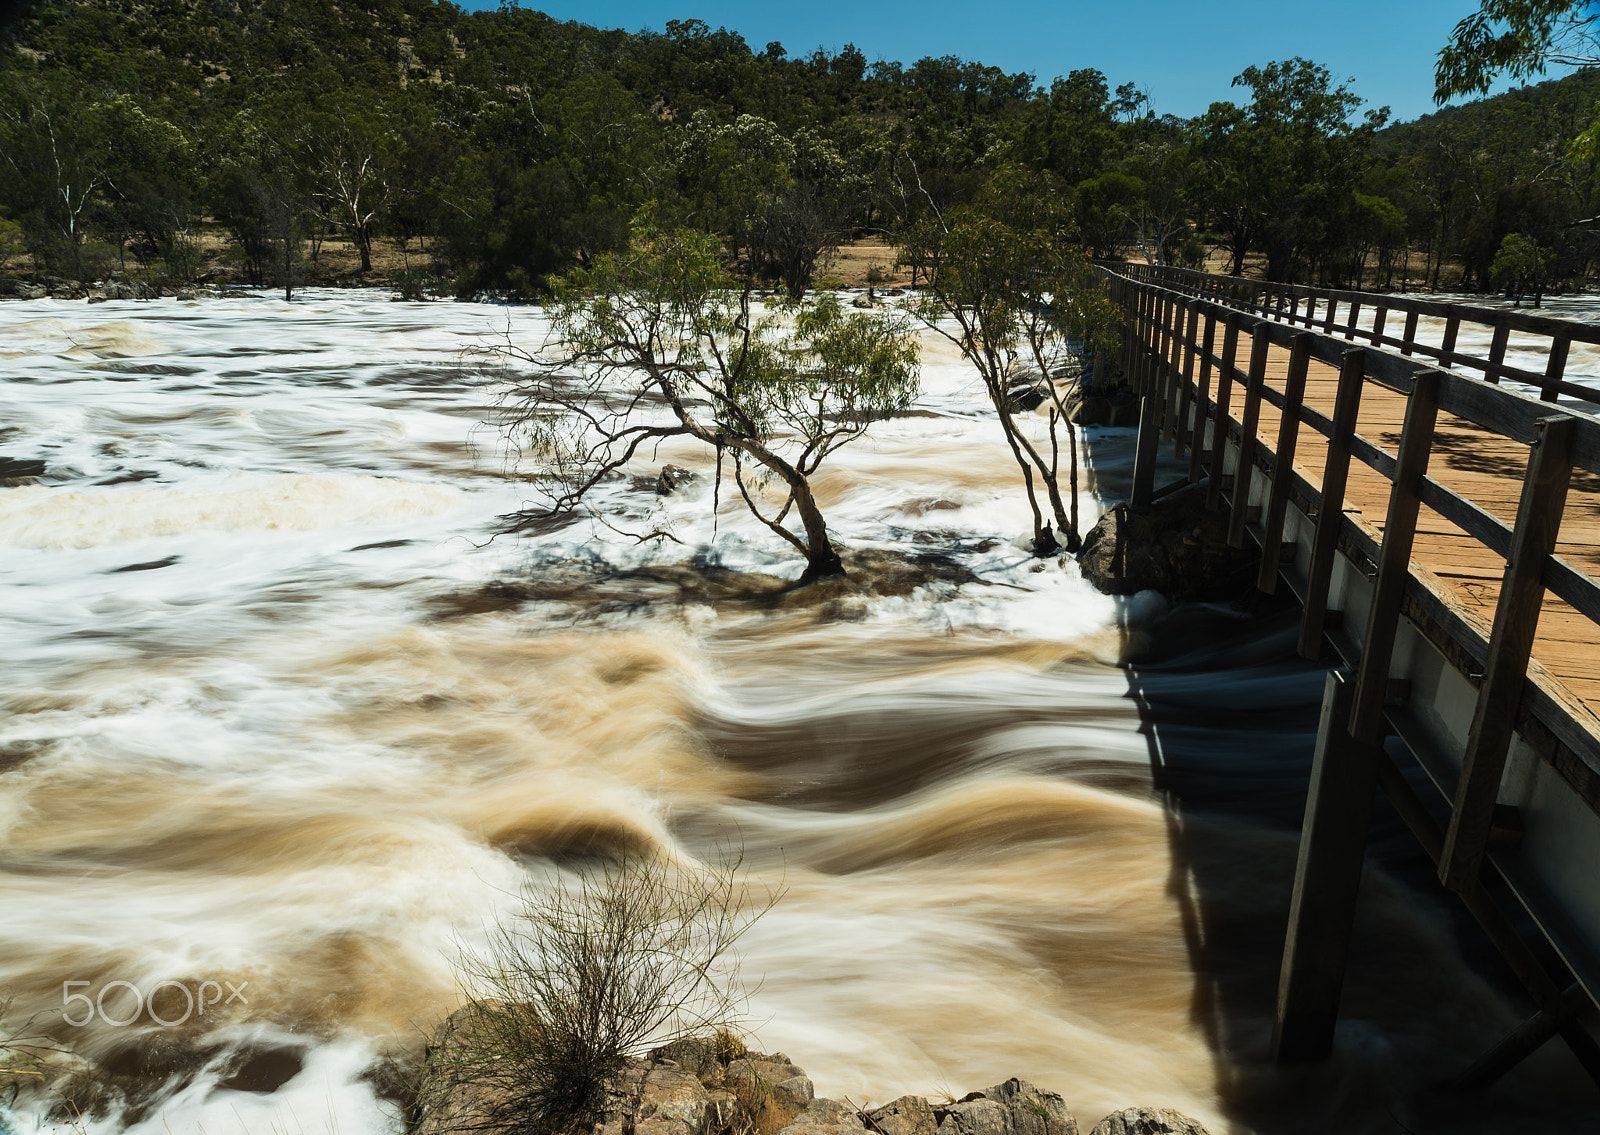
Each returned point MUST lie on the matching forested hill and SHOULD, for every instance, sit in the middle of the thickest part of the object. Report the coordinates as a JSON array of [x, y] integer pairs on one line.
[[509, 144]]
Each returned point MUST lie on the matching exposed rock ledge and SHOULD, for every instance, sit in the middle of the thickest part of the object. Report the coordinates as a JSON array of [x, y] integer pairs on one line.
[[687, 1089], [1175, 547]]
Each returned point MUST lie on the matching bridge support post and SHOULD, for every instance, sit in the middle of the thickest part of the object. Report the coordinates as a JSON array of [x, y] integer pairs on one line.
[[1146, 450], [1327, 878]]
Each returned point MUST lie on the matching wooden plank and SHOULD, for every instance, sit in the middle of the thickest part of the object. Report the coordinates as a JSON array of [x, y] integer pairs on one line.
[[1282, 476], [1244, 470], [1516, 621]]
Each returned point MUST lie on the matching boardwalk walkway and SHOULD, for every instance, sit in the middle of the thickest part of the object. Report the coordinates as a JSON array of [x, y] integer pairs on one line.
[[1485, 468], [1431, 511]]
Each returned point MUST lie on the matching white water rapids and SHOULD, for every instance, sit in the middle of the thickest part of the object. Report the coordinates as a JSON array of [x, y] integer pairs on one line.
[[285, 730]]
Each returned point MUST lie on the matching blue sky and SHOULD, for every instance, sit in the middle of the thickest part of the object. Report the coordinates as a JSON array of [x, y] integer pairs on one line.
[[1184, 52]]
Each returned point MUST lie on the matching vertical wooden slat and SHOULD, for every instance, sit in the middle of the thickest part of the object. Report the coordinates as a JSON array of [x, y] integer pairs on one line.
[[1177, 316], [1294, 393], [1186, 400], [1350, 324], [1328, 316], [1311, 310], [1447, 349], [1197, 443], [1379, 319], [1409, 339], [1243, 471], [1516, 621], [1219, 428], [1497, 351], [1330, 512], [1394, 557], [1555, 368]]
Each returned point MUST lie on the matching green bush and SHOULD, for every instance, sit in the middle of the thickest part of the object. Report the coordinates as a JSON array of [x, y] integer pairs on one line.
[[588, 973]]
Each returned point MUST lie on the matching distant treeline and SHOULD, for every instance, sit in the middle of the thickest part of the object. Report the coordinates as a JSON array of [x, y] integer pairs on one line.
[[509, 145]]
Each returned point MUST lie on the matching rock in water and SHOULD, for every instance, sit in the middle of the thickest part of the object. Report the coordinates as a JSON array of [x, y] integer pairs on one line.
[[673, 478], [1148, 1121], [1175, 547], [20, 467]]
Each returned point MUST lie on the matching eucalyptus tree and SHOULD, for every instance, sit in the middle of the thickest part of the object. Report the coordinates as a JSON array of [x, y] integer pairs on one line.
[[658, 342], [1010, 286]]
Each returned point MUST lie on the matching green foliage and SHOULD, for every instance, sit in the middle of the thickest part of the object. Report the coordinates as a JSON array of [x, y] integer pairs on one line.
[[662, 322], [513, 146], [1011, 274], [13, 243], [1518, 38], [1519, 263]]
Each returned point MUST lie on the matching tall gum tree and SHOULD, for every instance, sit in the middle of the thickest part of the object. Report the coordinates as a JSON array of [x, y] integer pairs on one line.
[[658, 342]]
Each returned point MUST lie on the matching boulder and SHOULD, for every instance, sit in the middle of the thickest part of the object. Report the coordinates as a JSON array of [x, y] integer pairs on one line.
[[825, 1117], [908, 1115], [13, 467], [672, 1101], [1147, 1121], [672, 478], [1175, 547], [1026, 390], [1014, 1107], [22, 290]]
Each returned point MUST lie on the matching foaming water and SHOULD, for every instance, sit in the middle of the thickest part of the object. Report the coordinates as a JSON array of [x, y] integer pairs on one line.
[[281, 718]]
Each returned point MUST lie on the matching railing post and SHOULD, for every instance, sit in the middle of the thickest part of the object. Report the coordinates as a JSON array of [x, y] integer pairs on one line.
[[1330, 512], [1294, 393], [1497, 352], [1245, 468], [1317, 941], [1516, 622], [1219, 427], [1447, 349], [1410, 336], [1554, 369], [1197, 443], [1333, 839]]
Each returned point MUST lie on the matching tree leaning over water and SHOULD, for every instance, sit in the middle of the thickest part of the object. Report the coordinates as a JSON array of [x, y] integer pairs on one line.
[[1009, 272], [658, 342]]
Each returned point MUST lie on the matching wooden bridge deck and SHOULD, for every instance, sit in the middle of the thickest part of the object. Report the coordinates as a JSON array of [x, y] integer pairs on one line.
[[1483, 467]]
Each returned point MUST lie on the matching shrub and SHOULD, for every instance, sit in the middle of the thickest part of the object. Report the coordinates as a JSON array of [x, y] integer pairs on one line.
[[587, 974]]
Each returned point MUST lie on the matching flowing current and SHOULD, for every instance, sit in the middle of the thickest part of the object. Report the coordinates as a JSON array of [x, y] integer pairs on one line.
[[286, 732]]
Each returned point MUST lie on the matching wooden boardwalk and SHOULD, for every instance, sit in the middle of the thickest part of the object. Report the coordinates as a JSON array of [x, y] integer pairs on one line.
[[1485, 468], [1457, 519]]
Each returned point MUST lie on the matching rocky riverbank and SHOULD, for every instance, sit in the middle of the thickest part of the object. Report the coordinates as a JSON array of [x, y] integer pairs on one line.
[[701, 1087]]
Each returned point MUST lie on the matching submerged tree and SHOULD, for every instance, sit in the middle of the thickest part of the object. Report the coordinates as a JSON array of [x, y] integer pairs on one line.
[[1008, 283], [658, 342]]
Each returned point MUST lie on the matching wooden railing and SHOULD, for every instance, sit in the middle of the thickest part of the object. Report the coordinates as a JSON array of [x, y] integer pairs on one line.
[[1182, 353], [1336, 312]]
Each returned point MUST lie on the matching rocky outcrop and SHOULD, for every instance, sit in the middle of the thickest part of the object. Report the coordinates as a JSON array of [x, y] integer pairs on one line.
[[711, 1086], [1175, 547], [1147, 1121]]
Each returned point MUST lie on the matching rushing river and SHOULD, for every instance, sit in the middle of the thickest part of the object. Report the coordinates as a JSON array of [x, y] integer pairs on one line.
[[286, 730]]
